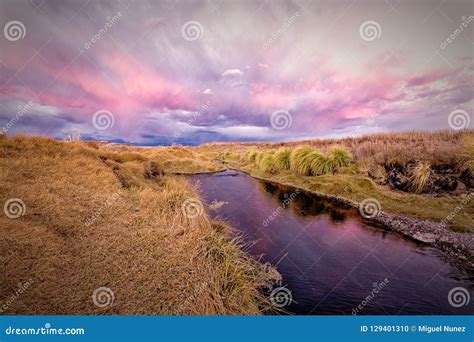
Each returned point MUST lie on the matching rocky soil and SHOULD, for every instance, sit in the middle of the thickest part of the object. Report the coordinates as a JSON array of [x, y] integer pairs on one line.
[[455, 244]]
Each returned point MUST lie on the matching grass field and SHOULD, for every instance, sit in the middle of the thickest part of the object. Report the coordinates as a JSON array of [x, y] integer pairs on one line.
[[354, 174], [100, 215], [93, 220]]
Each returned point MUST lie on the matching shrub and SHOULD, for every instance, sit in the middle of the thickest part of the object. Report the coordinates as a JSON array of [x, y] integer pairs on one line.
[[281, 159]]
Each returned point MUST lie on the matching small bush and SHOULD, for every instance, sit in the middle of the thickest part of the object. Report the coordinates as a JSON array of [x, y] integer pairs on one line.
[[281, 159]]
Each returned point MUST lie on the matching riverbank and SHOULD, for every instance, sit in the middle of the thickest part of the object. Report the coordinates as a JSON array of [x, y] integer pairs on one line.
[[93, 230], [457, 245], [443, 220]]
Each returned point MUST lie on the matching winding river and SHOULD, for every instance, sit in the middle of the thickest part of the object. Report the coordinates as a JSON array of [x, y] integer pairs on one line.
[[332, 260]]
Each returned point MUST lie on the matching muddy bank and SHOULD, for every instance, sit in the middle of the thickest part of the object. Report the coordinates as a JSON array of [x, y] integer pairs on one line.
[[417, 177]]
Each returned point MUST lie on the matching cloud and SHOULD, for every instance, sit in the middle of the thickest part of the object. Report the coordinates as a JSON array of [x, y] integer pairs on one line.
[[152, 79], [232, 73]]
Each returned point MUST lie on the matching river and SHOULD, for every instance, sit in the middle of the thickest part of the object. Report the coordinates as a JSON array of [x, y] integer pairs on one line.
[[331, 259]]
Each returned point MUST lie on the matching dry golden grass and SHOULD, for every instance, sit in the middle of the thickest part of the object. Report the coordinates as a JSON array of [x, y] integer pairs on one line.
[[434, 147], [92, 220], [420, 175], [178, 159]]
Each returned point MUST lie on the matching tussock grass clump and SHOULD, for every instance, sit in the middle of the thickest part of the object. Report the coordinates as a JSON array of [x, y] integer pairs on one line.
[[341, 157], [322, 164], [266, 161], [419, 177], [250, 156], [301, 158], [258, 157], [281, 159]]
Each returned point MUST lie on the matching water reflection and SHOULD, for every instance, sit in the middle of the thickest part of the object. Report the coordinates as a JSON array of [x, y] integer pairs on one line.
[[305, 204]]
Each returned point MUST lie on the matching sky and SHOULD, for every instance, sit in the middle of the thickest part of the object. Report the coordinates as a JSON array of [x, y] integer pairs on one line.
[[155, 72]]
